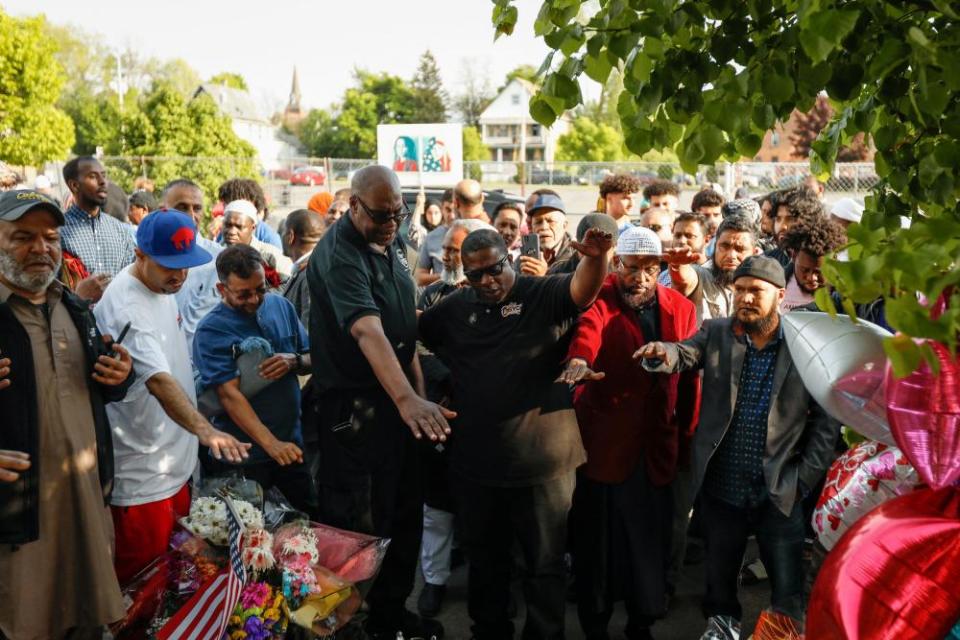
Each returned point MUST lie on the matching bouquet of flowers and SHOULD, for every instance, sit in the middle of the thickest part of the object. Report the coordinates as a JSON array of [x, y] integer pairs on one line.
[[299, 572], [318, 599], [260, 614], [208, 518]]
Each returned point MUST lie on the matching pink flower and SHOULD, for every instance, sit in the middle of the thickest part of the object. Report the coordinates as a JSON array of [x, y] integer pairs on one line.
[[255, 595]]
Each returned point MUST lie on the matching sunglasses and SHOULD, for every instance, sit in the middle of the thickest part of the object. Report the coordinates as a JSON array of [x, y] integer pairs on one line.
[[476, 275], [385, 217], [655, 227]]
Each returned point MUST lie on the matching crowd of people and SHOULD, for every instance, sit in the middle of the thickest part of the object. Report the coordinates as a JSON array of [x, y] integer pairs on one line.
[[560, 411]]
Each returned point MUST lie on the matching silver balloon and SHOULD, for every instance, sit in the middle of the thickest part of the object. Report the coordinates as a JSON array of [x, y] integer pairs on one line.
[[842, 365]]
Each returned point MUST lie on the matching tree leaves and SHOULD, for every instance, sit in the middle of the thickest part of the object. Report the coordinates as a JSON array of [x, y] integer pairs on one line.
[[708, 78], [824, 31]]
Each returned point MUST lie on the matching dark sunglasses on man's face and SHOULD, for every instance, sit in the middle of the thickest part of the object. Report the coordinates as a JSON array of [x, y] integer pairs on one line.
[[476, 275], [654, 227], [384, 217]]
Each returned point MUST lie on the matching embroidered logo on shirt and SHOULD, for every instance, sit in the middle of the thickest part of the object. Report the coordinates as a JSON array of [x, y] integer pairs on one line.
[[512, 309], [472, 319], [403, 259]]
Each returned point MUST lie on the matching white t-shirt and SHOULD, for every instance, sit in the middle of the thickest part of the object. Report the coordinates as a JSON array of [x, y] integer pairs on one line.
[[794, 296], [153, 455]]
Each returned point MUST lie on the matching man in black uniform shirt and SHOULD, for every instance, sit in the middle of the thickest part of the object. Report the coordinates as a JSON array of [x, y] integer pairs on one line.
[[369, 385], [517, 443]]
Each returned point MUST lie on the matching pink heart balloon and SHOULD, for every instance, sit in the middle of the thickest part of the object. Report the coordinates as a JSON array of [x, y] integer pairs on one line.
[[924, 415], [895, 575]]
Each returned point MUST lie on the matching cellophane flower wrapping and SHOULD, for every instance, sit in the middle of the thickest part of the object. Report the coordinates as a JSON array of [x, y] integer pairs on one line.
[[302, 572], [261, 614]]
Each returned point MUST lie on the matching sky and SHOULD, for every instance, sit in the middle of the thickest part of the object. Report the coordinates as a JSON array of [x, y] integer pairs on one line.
[[325, 39]]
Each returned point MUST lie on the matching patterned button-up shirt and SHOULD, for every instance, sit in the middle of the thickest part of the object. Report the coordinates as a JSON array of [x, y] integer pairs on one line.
[[102, 243], [735, 472]]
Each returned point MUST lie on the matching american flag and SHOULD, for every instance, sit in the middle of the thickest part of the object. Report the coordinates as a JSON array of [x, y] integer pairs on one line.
[[206, 615]]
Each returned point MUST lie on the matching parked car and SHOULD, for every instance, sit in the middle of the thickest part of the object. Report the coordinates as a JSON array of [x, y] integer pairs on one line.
[[309, 176], [551, 176], [491, 198]]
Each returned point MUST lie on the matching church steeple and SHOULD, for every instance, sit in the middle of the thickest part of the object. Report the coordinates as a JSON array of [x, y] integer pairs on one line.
[[293, 104]]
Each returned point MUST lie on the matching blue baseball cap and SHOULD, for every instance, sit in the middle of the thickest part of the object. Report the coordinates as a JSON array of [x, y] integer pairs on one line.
[[546, 201], [169, 237]]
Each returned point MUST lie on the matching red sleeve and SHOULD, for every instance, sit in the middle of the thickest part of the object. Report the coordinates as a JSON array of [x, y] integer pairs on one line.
[[688, 395], [587, 336]]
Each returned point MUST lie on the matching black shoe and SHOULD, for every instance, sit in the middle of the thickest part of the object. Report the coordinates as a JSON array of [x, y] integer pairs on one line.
[[412, 626], [457, 559], [694, 555], [431, 599]]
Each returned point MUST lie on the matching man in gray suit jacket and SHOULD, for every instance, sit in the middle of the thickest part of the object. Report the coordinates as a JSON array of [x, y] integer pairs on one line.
[[762, 443]]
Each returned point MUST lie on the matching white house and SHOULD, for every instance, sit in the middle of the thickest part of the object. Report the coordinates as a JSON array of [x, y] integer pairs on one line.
[[273, 146], [502, 126]]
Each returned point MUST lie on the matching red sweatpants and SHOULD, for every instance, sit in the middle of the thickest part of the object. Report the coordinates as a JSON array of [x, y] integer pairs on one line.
[[143, 532]]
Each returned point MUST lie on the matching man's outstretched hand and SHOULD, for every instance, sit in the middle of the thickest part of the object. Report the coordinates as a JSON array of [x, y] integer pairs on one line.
[[651, 351], [595, 243], [426, 418], [678, 256], [578, 371]]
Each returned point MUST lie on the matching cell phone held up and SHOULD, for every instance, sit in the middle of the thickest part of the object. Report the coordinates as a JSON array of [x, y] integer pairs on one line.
[[530, 246]]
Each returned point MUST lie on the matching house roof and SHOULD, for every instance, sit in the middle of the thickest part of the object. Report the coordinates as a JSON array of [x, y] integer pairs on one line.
[[503, 110], [232, 102]]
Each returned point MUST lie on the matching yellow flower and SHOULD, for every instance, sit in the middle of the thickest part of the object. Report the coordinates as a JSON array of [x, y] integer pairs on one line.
[[271, 614], [239, 634], [236, 621]]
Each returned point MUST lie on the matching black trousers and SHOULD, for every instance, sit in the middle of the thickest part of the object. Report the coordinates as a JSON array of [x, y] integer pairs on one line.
[[293, 480], [370, 482], [621, 550], [492, 519], [780, 539]]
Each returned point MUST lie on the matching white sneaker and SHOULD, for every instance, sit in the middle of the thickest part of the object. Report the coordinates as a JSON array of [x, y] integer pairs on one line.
[[721, 628]]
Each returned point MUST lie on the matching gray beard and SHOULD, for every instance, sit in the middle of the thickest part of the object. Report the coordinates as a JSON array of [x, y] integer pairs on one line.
[[15, 275], [453, 277]]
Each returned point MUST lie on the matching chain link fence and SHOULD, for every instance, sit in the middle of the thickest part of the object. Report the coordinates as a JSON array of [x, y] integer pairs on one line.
[[290, 183]]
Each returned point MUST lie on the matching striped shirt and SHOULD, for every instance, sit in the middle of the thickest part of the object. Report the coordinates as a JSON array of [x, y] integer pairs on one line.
[[102, 243]]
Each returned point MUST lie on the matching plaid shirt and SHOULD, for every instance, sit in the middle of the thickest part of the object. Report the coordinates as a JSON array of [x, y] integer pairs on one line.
[[102, 243]]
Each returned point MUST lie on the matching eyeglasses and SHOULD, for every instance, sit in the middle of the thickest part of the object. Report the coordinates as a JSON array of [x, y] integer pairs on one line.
[[651, 271], [248, 294], [655, 227], [476, 275], [384, 217]]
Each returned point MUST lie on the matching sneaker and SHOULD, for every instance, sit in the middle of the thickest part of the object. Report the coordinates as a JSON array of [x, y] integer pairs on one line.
[[721, 628], [431, 599], [753, 573]]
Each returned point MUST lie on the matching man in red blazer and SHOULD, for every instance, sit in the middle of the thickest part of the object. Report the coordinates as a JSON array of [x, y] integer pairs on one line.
[[636, 429]]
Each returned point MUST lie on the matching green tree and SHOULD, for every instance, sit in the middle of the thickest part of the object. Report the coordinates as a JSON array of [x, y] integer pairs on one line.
[[350, 129], [526, 72], [32, 129], [590, 141], [232, 80], [476, 95], [429, 97], [710, 77], [474, 151], [180, 139]]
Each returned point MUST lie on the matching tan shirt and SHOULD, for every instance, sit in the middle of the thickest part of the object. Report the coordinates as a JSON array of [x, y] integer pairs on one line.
[[65, 579]]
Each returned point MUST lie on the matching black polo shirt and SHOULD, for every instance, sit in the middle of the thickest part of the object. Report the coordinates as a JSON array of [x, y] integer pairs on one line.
[[349, 280], [515, 426]]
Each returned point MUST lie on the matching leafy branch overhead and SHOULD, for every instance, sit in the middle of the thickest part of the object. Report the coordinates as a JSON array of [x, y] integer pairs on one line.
[[709, 77]]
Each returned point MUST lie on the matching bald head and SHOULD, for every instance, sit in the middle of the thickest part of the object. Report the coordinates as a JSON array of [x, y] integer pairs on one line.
[[468, 199], [375, 190], [373, 180]]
